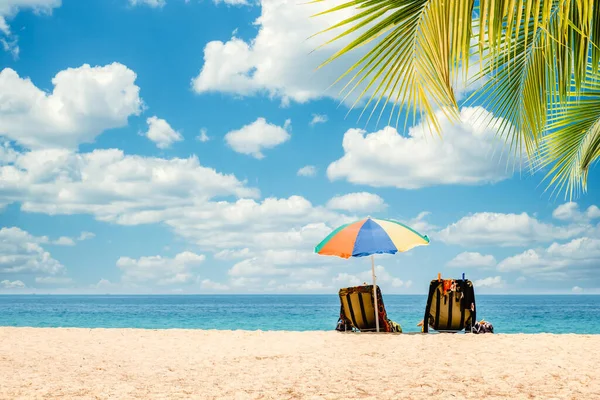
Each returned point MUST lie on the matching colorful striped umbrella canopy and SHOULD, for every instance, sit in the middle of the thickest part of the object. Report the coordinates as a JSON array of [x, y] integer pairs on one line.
[[367, 237], [370, 236]]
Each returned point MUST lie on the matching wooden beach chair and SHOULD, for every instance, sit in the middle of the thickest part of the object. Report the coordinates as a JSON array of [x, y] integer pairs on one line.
[[357, 311], [450, 306]]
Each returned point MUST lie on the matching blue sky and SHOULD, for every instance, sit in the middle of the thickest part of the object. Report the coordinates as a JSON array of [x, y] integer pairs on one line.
[[171, 146]]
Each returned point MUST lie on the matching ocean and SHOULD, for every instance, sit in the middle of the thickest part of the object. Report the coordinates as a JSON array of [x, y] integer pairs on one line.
[[508, 314]]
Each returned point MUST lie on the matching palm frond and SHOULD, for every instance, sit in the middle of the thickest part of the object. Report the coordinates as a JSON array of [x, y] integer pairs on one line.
[[572, 143], [408, 62], [539, 58]]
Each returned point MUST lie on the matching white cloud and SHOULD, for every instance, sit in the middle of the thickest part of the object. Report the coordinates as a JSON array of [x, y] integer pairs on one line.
[[255, 267], [11, 46], [308, 170], [359, 202], [419, 223], [384, 278], [252, 139], [161, 133], [577, 289], [20, 252], [53, 280], [210, 285], [245, 282], [469, 153], [85, 102], [273, 262], [318, 119], [494, 282], [10, 8], [190, 199], [150, 3], [308, 286], [131, 190], [472, 260], [570, 212], [64, 241], [86, 235], [203, 136], [308, 272], [273, 223], [6, 284], [282, 59], [344, 279], [576, 259], [233, 254], [110, 185], [577, 249], [103, 283], [161, 270], [232, 2], [488, 228]]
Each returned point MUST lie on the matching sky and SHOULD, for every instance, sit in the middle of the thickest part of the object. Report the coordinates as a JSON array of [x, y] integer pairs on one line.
[[184, 146]]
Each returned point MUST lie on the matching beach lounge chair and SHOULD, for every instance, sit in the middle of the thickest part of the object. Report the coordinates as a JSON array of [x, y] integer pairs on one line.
[[358, 312], [450, 306]]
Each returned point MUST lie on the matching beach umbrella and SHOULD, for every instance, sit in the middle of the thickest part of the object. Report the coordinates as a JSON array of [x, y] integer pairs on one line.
[[368, 237]]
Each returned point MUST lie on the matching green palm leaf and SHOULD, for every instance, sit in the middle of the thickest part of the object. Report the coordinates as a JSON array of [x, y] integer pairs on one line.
[[538, 58]]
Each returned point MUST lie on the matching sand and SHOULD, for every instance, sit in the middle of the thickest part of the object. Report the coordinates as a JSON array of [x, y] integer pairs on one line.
[[174, 364]]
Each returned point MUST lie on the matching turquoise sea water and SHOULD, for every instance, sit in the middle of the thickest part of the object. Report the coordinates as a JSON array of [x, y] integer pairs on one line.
[[508, 314]]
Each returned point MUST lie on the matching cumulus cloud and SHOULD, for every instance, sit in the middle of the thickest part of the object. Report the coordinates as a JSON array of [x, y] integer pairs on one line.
[[488, 228], [384, 278], [308, 170], [269, 236], [493, 282], [278, 61], [345, 279], [210, 285], [420, 223], [150, 3], [469, 154], [190, 199], [10, 8], [85, 101], [472, 260], [232, 254], [359, 202], [570, 212], [64, 241], [255, 267], [252, 139], [53, 280], [110, 185], [232, 2], [274, 262], [161, 270], [308, 286], [203, 136], [161, 133], [318, 119], [86, 235], [6, 284], [288, 223], [577, 259], [20, 252]]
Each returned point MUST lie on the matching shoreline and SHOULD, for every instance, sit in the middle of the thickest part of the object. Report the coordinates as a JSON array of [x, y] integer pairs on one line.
[[175, 363], [333, 331]]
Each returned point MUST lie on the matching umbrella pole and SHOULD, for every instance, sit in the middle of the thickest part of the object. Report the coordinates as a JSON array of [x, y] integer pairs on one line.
[[375, 293]]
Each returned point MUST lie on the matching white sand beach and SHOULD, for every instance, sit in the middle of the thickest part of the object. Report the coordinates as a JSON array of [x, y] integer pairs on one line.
[[176, 364]]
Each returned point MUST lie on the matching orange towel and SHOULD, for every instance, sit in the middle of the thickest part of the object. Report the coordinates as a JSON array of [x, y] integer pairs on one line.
[[448, 285]]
